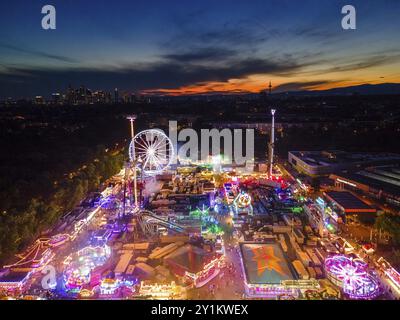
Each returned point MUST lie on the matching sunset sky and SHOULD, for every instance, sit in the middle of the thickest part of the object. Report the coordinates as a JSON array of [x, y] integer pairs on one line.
[[181, 47]]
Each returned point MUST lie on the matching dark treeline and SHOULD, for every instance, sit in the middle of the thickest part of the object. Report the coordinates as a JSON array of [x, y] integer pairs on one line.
[[51, 158], [354, 137]]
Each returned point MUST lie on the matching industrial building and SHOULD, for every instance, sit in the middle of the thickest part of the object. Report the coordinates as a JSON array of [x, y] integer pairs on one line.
[[346, 204], [320, 163], [382, 183]]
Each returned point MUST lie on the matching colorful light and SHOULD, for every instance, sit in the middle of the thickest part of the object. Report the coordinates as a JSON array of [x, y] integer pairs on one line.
[[109, 286], [243, 200], [352, 276], [58, 240], [79, 266], [162, 291]]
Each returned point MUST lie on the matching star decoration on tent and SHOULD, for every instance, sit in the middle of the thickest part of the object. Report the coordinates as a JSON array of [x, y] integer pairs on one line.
[[266, 260]]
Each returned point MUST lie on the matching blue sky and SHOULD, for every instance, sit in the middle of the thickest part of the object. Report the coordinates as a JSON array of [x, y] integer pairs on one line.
[[196, 46]]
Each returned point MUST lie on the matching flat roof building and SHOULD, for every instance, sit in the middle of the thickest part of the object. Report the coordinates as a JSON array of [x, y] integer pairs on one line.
[[319, 163], [378, 182], [123, 263], [348, 203]]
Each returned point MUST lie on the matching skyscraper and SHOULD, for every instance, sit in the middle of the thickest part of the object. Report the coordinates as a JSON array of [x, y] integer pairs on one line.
[[116, 96]]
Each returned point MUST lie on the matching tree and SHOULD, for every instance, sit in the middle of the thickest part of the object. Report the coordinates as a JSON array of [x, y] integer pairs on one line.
[[389, 223], [219, 180], [316, 183], [367, 219]]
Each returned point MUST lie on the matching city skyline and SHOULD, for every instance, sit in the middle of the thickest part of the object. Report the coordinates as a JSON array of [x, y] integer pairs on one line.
[[188, 48]]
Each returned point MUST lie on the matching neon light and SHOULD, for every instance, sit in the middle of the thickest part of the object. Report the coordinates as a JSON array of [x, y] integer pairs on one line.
[[352, 276], [243, 200], [162, 291], [109, 286], [58, 240], [79, 265], [346, 182], [35, 258], [320, 202]]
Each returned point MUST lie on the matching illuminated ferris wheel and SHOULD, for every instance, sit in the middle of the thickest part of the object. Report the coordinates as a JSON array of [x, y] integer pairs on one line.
[[153, 149]]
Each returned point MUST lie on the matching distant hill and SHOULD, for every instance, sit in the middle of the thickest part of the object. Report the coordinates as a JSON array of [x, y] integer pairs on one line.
[[364, 89]]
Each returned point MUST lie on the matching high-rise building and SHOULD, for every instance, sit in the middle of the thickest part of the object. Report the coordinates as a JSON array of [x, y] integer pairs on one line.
[[39, 100], [56, 98], [116, 96], [70, 95]]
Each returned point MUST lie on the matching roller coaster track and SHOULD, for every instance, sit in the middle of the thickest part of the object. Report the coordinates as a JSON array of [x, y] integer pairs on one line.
[[149, 222]]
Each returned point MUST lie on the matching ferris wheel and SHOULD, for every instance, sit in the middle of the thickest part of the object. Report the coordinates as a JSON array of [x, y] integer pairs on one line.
[[153, 150]]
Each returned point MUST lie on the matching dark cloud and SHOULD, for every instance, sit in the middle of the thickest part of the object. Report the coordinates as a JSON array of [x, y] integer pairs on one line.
[[165, 74], [298, 86], [314, 32], [242, 34], [365, 63], [202, 54], [37, 53]]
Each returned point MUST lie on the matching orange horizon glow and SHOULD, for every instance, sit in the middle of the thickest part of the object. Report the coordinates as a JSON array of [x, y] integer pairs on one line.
[[258, 83]]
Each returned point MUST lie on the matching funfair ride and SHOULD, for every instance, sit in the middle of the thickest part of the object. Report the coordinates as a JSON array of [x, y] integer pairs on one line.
[[352, 276], [150, 153], [80, 265], [153, 149], [242, 204], [150, 223], [271, 145], [131, 168]]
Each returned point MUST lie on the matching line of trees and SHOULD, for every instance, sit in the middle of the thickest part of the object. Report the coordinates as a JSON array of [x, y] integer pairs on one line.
[[22, 220], [390, 224]]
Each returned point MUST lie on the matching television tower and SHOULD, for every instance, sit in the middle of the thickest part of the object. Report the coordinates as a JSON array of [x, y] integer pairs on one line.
[[271, 144]]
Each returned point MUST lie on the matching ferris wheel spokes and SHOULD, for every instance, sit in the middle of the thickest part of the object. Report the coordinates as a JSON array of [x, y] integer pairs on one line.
[[154, 149]]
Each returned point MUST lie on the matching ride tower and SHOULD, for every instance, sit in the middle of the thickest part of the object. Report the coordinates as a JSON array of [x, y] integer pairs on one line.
[[271, 145], [131, 165]]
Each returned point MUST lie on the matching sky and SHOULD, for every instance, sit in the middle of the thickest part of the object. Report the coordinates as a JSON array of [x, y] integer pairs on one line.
[[184, 47]]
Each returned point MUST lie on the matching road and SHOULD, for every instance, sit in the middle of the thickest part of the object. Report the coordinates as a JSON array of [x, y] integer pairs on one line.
[[228, 285]]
